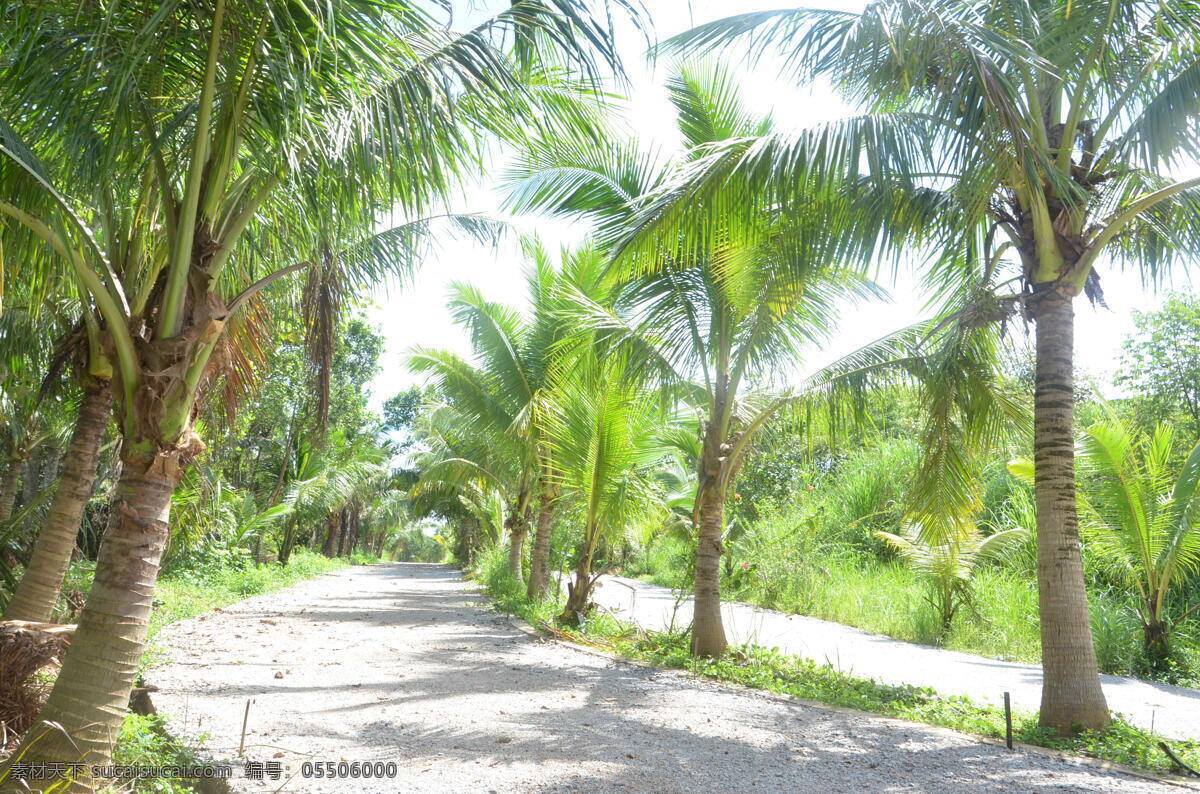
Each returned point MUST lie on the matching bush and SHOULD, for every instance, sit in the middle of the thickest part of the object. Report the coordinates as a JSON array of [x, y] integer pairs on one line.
[[667, 562], [144, 741]]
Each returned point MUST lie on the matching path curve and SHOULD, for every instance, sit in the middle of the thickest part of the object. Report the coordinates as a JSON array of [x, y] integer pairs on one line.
[[1172, 711], [405, 663]]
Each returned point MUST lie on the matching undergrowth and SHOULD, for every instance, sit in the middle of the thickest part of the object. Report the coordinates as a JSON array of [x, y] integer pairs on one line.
[[792, 574]]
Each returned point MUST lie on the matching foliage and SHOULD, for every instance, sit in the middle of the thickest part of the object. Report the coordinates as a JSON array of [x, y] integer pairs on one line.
[[1161, 362], [1139, 520], [414, 545], [949, 565], [144, 742]]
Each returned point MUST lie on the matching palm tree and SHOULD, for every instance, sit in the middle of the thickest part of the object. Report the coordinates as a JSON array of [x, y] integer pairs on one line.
[[37, 593], [171, 140], [605, 433], [505, 394], [493, 402], [1141, 521], [735, 301], [463, 478], [1028, 137], [949, 565]]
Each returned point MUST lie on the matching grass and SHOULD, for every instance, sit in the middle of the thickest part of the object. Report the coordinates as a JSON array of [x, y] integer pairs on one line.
[[886, 597], [768, 669], [187, 592], [145, 742]]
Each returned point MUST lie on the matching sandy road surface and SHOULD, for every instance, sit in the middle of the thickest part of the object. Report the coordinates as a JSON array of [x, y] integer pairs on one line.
[[404, 663]]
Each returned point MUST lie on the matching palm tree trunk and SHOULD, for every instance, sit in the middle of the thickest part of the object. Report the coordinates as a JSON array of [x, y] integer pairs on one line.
[[1071, 693], [9, 486], [8, 499], [349, 532], [1156, 635], [516, 548], [539, 564], [38, 591], [289, 541], [579, 592], [467, 541], [91, 695], [708, 630], [331, 537]]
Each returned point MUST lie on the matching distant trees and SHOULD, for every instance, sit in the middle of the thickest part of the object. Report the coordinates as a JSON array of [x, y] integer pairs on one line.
[[1161, 363]]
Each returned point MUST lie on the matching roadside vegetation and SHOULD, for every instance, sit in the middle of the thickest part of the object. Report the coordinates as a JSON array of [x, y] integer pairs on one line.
[[196, 206]]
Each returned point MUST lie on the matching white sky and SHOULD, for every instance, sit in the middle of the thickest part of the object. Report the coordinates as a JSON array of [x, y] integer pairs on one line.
[[417, 315]]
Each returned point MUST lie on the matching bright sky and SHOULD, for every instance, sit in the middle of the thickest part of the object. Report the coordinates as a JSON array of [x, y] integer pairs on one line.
[[417, 315]]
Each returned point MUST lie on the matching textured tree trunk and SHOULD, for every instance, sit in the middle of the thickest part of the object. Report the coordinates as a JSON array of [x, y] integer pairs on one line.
[[38, 591], [516, 548], [9, 487], [91, 694], [467, 540], [349, 532], [1158, 643], [1071, 693], [332, 536], [579, 592], [539, 563], [289, 541], [708, 630], [8, 499]]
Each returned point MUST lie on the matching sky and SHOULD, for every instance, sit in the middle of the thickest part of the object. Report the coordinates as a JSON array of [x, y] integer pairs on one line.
[[416, 315]]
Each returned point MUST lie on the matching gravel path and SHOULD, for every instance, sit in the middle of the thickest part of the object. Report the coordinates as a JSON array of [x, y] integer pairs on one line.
[[404, 663], [1170, 710]]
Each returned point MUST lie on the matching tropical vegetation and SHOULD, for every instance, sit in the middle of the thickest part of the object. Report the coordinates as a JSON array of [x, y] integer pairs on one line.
[[199, 203]]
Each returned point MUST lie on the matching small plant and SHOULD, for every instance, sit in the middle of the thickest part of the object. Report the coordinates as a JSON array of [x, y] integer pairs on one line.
[[1142, 521], [949, 564], [144, 742]]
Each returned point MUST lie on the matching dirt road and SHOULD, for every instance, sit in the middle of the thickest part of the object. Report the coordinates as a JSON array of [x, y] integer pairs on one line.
[[404, 663]]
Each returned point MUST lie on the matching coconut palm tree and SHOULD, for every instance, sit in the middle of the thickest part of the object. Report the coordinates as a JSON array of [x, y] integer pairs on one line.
[[949, 565], [195, 122], [1140, 521], [492, 402], [605, 432], [28, 419], [1030, 139], [37, 592], [465, 477], [734, 302], [504, 395]]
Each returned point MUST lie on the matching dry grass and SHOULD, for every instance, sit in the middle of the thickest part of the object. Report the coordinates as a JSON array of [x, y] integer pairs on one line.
[[26, 651]]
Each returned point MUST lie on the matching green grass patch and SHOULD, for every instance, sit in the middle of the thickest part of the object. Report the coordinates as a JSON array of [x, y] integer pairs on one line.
[[144, 742], [886, 597], [763, 668], [187, 592], [769, 669]]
